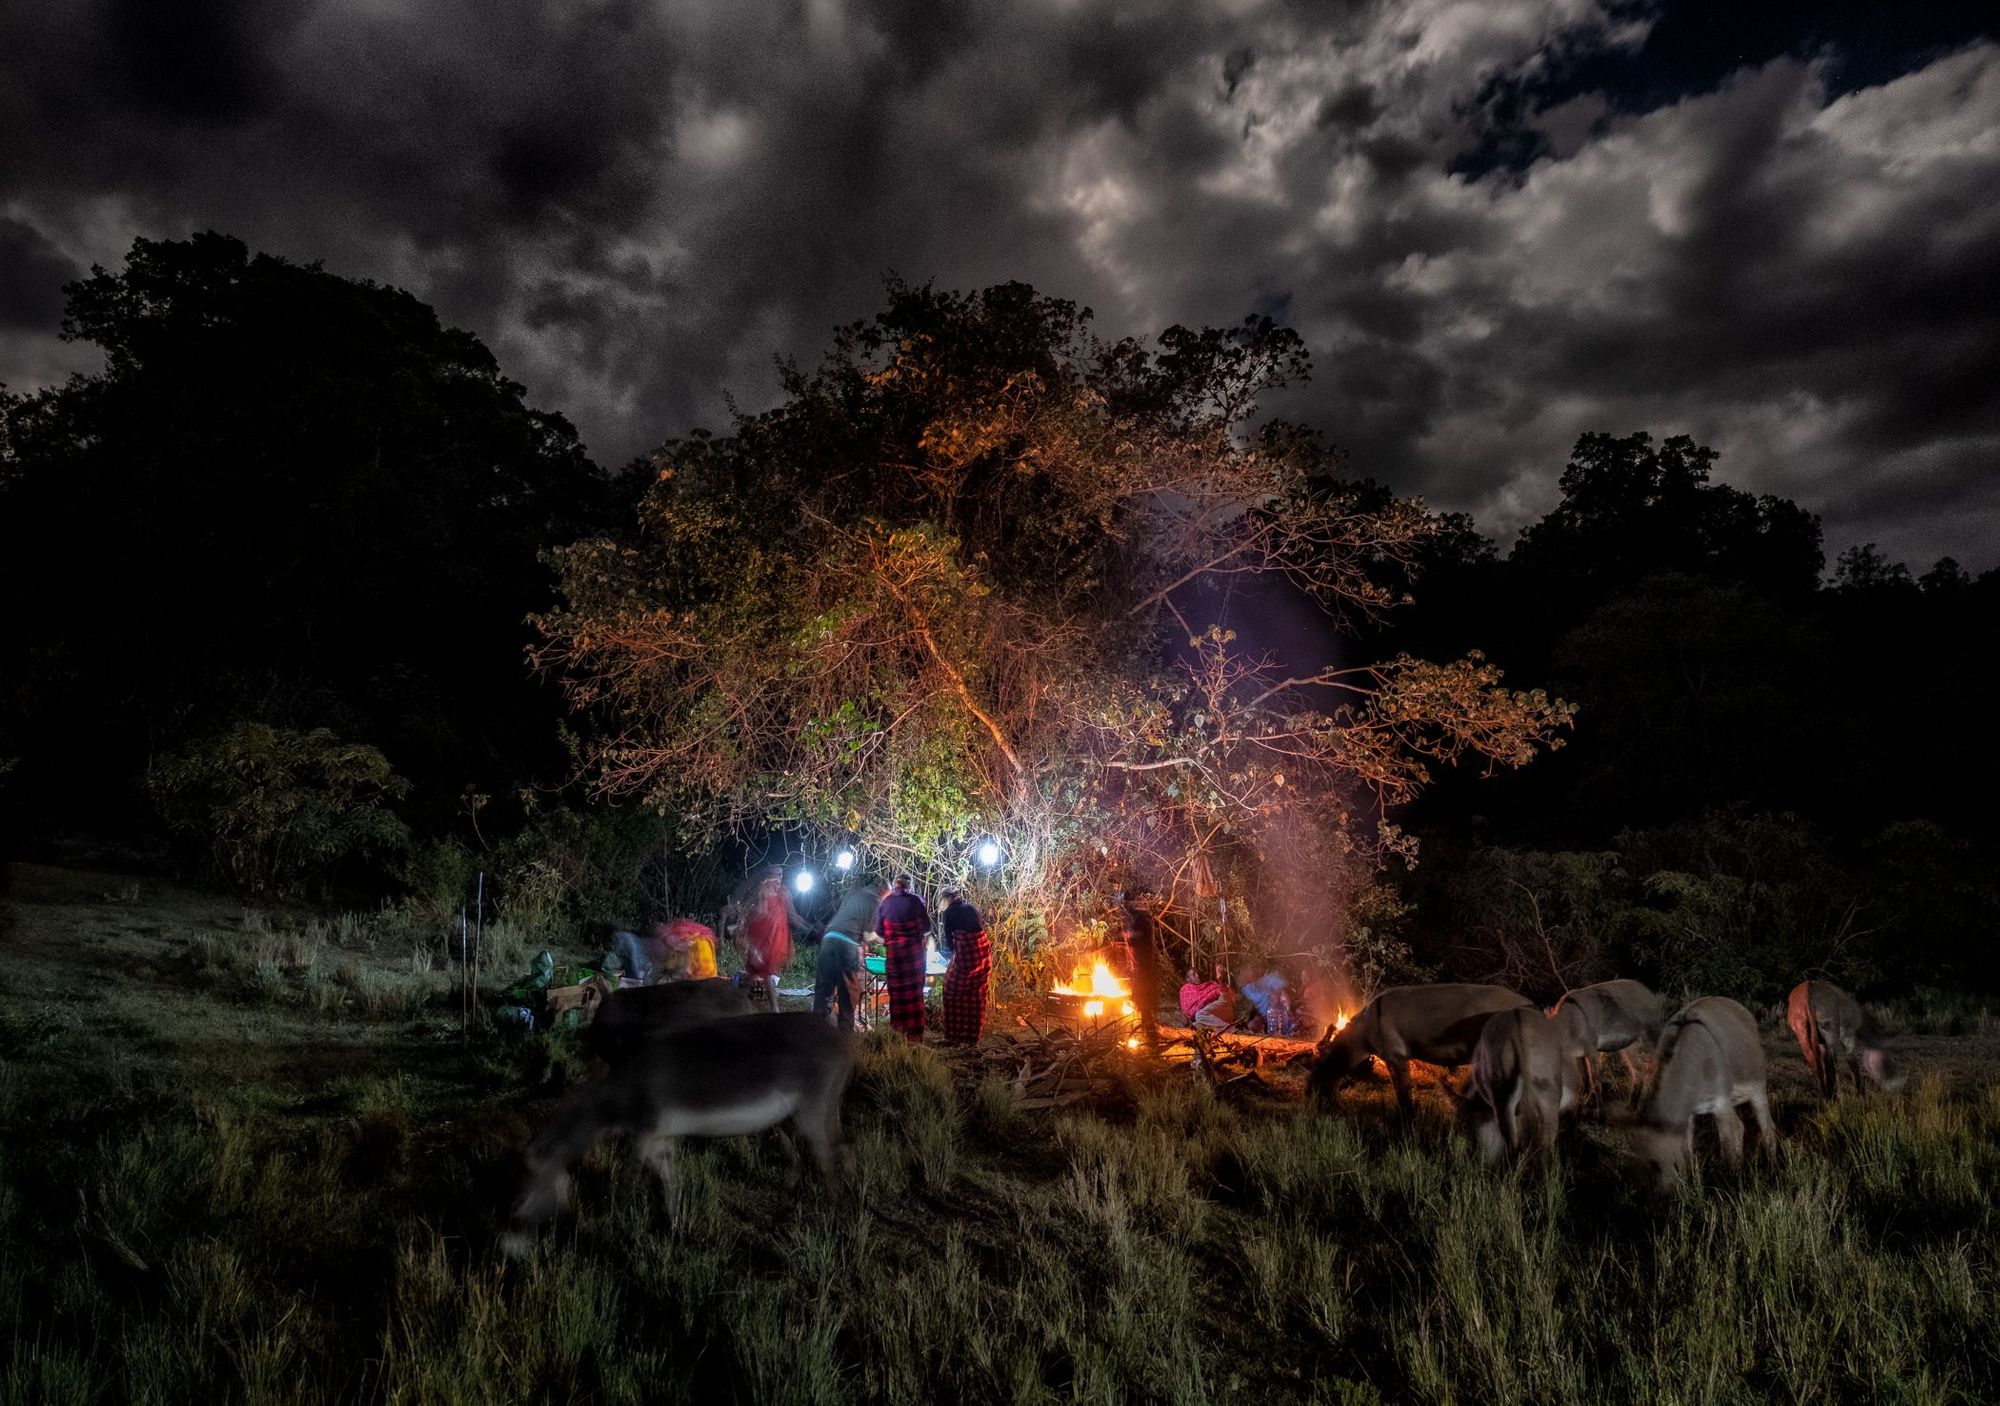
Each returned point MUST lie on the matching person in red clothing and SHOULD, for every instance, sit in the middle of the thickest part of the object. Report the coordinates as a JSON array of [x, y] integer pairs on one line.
[[766, 933], [962, 938], [903, 922], [1208, 1004]]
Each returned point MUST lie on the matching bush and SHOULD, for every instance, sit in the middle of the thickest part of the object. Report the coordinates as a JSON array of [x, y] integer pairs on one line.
[[274, 811], [613, 868], [1540, 921], [1748, 907]]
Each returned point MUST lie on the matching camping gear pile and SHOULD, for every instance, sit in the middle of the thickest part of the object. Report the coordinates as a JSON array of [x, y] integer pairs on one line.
[[550, 997]]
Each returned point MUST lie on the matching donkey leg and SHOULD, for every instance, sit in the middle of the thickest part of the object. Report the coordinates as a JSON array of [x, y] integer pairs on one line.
[[1399, 1077], [1729, 1133], [658, 1152], [1767, 1130], [1635, 1072]]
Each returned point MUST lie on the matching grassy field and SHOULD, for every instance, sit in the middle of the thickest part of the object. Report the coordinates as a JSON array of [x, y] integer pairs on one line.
[[250, 1157]]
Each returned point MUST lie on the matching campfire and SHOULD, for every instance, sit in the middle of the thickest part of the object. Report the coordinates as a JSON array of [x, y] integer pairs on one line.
[[1094, 999]]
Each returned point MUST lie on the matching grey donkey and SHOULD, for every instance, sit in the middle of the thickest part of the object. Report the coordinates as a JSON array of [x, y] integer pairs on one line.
[[731, 1077]]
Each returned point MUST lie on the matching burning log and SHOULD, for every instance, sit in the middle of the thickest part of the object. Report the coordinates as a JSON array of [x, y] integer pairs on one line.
[[1093, 1002]]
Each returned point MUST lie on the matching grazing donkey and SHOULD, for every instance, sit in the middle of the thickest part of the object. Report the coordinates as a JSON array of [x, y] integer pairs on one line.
[[1522, 1079], [1830, 1023], [1621, 1016], [635, 1015], [1711, 1061], [1436, 1024], [735, 1076]]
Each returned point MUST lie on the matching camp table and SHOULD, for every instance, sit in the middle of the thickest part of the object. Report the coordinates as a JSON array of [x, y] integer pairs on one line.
[[875, 989]]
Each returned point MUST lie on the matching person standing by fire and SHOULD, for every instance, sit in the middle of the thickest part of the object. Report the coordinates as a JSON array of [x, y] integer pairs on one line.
[[903, 923], [962, 939], [1142, 953]]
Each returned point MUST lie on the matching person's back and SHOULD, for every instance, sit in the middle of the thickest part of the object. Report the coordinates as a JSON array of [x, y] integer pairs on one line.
[[960, 917], [687, 949], [962, 938], [902, 921], [902, 910], [837, 974], [854, 918], [630, 956], [1137, 927]]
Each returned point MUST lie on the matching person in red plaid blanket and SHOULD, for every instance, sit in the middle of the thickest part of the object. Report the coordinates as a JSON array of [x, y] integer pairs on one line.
[[903, 923], [962, 938]]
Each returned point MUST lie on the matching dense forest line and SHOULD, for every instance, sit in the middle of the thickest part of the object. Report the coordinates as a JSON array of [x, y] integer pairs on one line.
[[295, 531]]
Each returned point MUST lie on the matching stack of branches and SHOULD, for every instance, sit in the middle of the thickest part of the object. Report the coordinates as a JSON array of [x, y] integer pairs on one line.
[[1057, 1066], [1233, 1061]]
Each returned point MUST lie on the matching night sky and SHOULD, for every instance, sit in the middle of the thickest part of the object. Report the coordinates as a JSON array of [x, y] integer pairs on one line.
[[1774, 226]]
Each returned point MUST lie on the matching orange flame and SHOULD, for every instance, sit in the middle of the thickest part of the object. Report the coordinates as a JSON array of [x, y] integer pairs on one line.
[[1101, 982], [1340, 1020]]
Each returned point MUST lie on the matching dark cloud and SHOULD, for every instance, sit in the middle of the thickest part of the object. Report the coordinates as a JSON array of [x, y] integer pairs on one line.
[[1353, 107], [1497, 222], [1235, 64], [32, 274], [207, 60]]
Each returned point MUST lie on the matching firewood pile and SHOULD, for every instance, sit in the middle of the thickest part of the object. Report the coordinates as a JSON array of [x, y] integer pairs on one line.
[[1052, 1066], [1234, 1061]]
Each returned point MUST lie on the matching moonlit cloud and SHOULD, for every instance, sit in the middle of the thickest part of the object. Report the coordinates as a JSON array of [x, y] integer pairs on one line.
[[639, 205]]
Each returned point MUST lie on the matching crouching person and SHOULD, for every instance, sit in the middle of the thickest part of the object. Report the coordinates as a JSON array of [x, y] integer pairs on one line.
[[1207, 1005], [687, 948], [837, 978]]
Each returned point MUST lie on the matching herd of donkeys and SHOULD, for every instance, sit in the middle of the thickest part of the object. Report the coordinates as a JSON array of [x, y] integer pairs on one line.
[[689, 1059], [1530, 1067]]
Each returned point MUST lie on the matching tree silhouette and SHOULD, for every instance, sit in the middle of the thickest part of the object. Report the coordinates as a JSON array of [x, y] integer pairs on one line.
[[289, 496]]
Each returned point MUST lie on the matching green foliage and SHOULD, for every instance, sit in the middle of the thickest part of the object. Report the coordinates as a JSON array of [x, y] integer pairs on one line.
[[275, 811], [1539, 921], [985, 610], [1938, 895], [1762, 906], [615, 866], [1741, 906], [1374, 941], [1692, 689]]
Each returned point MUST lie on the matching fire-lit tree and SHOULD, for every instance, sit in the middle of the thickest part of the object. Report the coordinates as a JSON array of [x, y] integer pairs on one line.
[[974, 575]]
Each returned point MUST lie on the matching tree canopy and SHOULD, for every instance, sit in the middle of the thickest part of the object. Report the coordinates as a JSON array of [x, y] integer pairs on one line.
[[289, 496], [975, 576]]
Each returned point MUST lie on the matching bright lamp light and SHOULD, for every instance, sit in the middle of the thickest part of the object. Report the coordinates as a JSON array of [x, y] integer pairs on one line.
[[988, 853], [844, 860], [803, 881]]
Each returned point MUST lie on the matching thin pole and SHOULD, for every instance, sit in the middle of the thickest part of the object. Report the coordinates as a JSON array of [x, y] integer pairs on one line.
[[479, 941], [464, 996]]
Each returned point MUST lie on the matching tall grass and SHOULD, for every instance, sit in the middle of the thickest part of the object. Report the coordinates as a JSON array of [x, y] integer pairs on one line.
[[161, 1244]]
